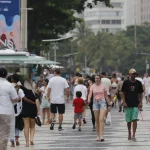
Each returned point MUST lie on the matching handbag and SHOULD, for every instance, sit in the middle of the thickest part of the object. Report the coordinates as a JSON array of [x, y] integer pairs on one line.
[[38, 121], [45, 103]]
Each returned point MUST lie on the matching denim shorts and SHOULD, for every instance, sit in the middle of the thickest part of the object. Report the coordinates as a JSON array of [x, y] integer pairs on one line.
[[99, 104], [78, 116]]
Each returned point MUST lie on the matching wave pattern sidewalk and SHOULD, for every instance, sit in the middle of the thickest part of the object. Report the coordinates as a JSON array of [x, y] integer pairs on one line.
[[115, 135]]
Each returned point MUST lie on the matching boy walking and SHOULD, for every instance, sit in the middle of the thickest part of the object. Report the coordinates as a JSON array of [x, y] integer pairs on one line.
[[78, 104]]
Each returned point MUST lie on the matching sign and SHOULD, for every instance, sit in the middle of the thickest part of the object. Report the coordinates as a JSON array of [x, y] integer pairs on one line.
[[10, 24]]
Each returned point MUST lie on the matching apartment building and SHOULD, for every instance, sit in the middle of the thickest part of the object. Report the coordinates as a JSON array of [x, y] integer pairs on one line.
[[123, 14], [145, 11]]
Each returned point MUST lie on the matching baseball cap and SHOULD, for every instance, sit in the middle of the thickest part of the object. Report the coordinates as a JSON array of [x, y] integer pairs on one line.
[[131, 71], [103, 73]]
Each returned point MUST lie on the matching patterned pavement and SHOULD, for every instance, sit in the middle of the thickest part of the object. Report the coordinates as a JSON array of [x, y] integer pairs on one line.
[[115, 134]]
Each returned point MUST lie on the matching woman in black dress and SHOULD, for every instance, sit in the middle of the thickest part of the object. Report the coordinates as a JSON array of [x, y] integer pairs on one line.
[[29, 111]]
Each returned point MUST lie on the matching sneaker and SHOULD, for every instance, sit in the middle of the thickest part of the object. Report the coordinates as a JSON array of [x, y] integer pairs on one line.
[[79, 129], [74, 126], [52, 126], [60, 128], [94, 128]]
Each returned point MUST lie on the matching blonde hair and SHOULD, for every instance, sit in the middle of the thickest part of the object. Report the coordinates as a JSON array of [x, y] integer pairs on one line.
[[80, 80], [28, 84]]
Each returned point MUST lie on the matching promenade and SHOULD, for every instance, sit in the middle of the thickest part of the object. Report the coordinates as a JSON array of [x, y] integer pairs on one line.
[[69, 139]]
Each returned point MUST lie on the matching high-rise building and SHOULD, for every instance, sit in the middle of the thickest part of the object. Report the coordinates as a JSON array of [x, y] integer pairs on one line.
[[145, 11], [123, 14], [102, 18]]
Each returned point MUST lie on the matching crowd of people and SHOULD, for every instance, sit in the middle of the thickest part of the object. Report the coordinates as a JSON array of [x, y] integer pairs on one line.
[[21, 103]]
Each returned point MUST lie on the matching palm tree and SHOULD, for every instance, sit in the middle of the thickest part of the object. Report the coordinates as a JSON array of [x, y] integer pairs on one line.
[[99, 47], [81, 33]]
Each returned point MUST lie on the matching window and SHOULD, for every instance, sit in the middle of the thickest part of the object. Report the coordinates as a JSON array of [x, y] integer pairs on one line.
[[116, 22], [104, 13], [92, 22], [107, 30], [105, 21]]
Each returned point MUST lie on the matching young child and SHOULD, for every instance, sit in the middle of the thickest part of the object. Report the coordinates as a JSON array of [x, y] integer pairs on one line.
[[78, 104]]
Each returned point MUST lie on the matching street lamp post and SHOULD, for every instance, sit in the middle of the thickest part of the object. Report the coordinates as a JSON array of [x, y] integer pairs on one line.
[[55, 47], [147, 65], [26, 27]]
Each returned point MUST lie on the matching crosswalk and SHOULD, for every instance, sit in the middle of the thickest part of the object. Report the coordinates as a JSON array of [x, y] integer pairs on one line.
[[115, 134]]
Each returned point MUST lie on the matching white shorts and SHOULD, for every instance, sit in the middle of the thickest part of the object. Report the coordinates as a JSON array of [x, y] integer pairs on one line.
[[147, 91]]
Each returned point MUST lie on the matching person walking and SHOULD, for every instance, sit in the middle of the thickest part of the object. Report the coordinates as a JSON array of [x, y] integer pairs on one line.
[[114, 84], [81, 87], [18, 109], [146, 80], [45, 105], [99, 105], [107, 83], [8, 96], [78, 104], [29, 111], [56, 87], [91, 82], [132, 99], [119, 94], [47, 73], [141, 80]]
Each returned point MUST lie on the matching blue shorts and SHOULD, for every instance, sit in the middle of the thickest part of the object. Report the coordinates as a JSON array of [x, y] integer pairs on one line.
[[100, 104]]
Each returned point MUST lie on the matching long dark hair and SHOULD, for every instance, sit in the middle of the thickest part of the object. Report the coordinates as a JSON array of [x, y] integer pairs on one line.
[[3, 72]]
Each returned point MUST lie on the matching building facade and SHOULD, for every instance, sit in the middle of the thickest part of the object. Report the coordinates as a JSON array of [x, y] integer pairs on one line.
[[124, 13], [145, 11]]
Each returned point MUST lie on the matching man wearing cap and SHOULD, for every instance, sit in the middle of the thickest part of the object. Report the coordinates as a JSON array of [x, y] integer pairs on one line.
[[132, 99]]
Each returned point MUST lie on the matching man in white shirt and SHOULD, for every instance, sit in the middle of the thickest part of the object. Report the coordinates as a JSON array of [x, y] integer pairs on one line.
[[56, 87], [147, 85], [107, 84], [8, 96]]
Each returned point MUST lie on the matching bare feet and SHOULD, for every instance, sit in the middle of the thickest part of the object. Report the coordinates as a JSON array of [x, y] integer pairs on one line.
[[133, 139], [27, 145], [12, 145], [17, 143], [31, 143], [129, 136], [98, 138]]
